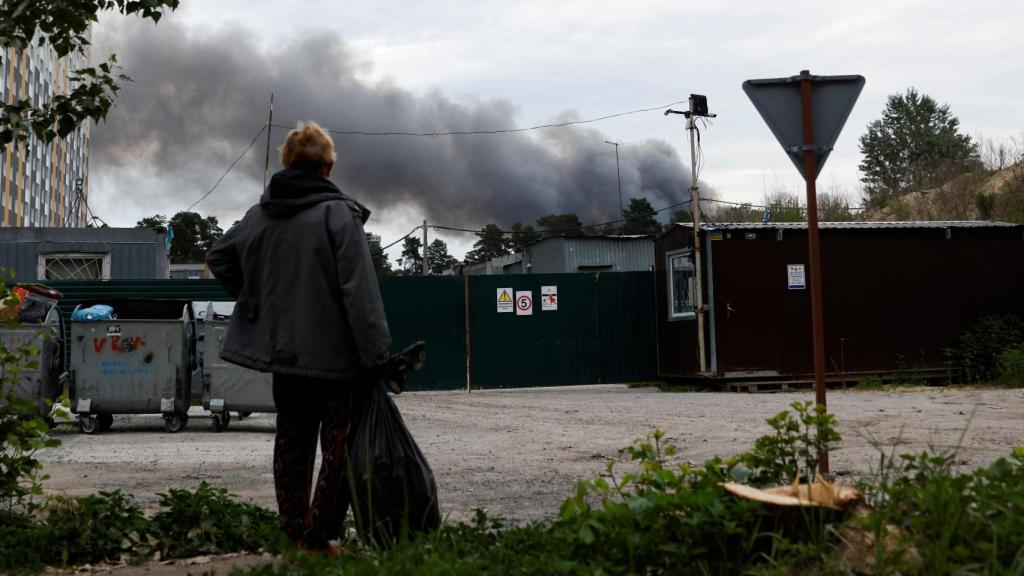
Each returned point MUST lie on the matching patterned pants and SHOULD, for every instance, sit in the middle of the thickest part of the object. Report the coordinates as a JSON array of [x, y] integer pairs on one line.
[[308, 408]]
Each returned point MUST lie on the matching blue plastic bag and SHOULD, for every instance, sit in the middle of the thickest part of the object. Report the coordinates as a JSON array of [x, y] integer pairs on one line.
[[93, 313]]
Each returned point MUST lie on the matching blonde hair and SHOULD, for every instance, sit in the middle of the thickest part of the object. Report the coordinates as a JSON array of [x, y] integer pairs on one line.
[[308, 147]]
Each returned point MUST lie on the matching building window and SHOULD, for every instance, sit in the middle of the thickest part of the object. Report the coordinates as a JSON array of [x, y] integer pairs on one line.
[[680, 286], [74, 266]]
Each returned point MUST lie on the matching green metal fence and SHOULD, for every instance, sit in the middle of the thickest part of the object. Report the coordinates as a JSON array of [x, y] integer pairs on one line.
[[603, 329]]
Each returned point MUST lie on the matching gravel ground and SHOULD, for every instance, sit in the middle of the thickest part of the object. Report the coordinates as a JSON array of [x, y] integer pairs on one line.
[[518, 453]]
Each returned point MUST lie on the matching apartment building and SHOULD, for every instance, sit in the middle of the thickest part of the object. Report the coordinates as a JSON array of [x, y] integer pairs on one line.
[[42, 185]]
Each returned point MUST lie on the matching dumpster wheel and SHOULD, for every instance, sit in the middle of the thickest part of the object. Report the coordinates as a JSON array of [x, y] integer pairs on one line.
[[175, 422], [221, 421], [105, 421], [88, 424]]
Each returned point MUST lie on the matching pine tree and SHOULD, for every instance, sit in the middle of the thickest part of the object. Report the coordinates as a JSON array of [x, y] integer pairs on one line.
[[915, 145]]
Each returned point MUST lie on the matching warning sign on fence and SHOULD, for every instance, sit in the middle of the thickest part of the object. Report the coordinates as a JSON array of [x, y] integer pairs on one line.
[[548, 298], [797, 277], [505, 300], [524, 303]]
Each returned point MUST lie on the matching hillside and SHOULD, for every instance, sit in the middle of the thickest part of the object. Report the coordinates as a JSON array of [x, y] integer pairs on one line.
[[981, 196]]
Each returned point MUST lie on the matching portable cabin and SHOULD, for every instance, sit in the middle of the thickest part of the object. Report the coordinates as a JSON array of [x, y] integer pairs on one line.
[[896, 296]]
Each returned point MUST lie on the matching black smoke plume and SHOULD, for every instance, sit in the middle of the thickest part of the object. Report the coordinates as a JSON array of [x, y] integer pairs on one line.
[[197, 99]]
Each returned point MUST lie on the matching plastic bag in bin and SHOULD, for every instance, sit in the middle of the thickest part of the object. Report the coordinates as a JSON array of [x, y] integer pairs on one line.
[[94, 313], [391, 486]]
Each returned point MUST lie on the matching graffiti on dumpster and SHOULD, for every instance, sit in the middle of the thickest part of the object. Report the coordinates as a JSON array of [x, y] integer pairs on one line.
[[118, 343]]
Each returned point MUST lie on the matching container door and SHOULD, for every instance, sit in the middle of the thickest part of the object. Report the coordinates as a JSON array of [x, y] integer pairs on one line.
[[749, 315]]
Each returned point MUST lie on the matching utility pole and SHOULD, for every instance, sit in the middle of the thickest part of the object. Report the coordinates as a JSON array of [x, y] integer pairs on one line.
[[270, 123], [698, 108], [426, 268], [618, 178]]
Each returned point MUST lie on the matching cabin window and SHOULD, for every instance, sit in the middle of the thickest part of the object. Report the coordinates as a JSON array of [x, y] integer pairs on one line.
[[74, 266], [680, 286]]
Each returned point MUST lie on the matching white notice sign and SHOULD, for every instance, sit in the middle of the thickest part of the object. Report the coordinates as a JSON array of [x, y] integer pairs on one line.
[[548, 298], [505, 300], [797, 277], [524, 303]]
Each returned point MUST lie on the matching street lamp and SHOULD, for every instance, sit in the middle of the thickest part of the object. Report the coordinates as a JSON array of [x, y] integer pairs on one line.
[[618, 178]]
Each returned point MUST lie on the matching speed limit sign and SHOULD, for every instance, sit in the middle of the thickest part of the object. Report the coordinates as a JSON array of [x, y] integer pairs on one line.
[[524, 303]]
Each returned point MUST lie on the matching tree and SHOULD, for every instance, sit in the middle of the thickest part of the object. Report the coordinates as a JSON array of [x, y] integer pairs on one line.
[[438, 259], [157, 222], [65, 25], [193, 235], [915, 145], [522, 236], [834, 206], [639, 218], [741, 213], [680, 216], [784, 207], [491, 243], [380, 259], [554, 225], [411, 261]]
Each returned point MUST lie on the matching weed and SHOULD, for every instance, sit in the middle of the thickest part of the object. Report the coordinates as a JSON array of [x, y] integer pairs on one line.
[[208, 521], [795, 447], [870, 383]]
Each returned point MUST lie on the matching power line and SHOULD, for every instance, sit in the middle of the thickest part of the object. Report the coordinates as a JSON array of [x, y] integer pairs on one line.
[[411, 232], [237, 160], [496, 131]]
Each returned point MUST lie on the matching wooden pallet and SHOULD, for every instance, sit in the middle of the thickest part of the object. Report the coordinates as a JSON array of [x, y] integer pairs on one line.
[[768, 387]]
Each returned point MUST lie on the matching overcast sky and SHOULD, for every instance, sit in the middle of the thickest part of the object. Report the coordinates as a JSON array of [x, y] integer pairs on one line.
[[204, 74]]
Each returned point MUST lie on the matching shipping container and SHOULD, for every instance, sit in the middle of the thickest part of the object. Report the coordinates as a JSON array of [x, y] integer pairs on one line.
[[896, 296]]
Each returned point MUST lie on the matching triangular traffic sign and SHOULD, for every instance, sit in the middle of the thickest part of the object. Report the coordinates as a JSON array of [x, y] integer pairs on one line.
[[504, 297], [778, 102]]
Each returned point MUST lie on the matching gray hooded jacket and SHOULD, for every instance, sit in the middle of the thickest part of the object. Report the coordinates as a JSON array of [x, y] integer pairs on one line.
[[299, 266]]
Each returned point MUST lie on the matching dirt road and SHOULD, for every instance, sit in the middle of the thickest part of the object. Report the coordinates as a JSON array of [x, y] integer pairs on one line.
[[517, 453]]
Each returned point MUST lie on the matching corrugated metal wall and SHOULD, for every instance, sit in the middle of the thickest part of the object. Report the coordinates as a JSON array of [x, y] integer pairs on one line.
[[633, 255], [603, 330], [572, 254], [431, 309]]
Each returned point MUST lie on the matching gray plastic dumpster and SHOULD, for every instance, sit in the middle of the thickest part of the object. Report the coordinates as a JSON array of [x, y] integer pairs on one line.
[[42, 384], [228, 387], [140, 363]]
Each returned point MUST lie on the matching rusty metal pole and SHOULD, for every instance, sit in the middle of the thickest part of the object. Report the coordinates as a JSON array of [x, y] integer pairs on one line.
[[814, 246]]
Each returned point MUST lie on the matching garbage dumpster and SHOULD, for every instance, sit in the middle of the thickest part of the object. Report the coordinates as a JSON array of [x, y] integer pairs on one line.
[[139, 362], [228, 387], [41, 384]]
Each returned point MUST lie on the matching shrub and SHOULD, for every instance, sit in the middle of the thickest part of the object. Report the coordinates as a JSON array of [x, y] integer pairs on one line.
[[23, 431], [978, 352], [1011, 366]]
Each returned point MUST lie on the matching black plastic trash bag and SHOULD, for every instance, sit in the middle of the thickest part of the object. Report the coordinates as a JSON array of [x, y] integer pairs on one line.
[[392, 488]]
